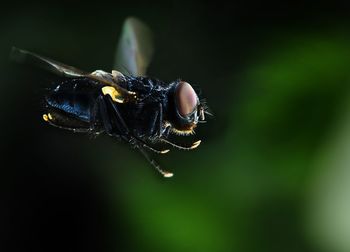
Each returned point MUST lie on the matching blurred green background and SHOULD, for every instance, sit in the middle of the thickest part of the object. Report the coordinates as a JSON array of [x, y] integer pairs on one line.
[[272, 172]]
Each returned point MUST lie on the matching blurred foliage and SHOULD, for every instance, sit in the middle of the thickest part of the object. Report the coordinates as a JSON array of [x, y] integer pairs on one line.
[[247, 188], [271, 173]]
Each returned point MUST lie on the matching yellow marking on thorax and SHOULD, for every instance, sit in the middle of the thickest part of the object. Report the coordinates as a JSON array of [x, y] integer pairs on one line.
[[113, 93]]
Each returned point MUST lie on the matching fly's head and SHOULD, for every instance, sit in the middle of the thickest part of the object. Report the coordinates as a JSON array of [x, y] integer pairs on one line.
[[189, 110]]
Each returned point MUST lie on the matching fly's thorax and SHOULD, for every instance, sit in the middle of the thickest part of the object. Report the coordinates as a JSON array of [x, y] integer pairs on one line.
[[138, 84]]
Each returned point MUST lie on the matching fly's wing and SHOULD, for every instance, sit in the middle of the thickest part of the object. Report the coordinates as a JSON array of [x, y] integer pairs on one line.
[[23, 56], [119, 94], [135, 48]]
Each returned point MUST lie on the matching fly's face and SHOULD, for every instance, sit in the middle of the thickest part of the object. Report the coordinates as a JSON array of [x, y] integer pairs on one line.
[[189, 111]]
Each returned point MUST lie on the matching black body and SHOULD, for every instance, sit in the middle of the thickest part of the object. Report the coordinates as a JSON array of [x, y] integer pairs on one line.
[[138, 110], [78, 104]]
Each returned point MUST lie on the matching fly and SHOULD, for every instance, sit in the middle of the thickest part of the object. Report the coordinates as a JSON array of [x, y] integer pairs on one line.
[[126, 105]]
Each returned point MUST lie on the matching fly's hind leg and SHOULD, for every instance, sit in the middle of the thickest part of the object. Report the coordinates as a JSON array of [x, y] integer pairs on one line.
[[106, 122], [62, 121]]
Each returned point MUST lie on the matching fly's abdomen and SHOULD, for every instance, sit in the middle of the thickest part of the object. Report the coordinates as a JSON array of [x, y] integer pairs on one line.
[[72, 104]]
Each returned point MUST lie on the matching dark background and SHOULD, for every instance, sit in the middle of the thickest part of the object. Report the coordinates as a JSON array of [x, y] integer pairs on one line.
[[272, 171]]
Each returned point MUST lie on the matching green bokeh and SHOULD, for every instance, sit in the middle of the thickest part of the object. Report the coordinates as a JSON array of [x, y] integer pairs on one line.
[[248, 188], [269, 168]]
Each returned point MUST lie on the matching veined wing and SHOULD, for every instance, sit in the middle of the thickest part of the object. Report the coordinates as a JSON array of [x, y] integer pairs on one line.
[[23, 56], [120, 94], [135, 48]]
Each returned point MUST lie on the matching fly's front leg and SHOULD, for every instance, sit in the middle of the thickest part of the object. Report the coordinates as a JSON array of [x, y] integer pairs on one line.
[[160, 116], [163, 128], [166, 131], [124, 128], [136, 142], [153, 124], [163, 134]]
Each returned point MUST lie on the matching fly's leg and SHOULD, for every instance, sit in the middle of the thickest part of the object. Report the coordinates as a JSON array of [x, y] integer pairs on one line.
[[145, 145], [160, 132], [160, 116], [125, 129], [166, 174], [166, 132], [177, 146], [137, 143], [51, 118], [94, 124], [104, 115], [153, 125]]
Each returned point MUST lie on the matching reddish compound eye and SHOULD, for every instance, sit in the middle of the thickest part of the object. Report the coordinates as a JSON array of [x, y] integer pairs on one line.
[[186, 98]]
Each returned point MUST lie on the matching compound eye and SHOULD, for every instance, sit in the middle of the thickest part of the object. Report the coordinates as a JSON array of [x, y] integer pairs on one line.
[[186, 98]]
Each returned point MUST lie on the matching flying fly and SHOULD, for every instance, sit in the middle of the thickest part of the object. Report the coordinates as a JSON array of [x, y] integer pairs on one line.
[[125, 104]]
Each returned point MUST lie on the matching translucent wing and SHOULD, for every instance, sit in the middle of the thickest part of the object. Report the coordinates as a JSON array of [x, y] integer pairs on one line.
[[23, 56], [135, 48]]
